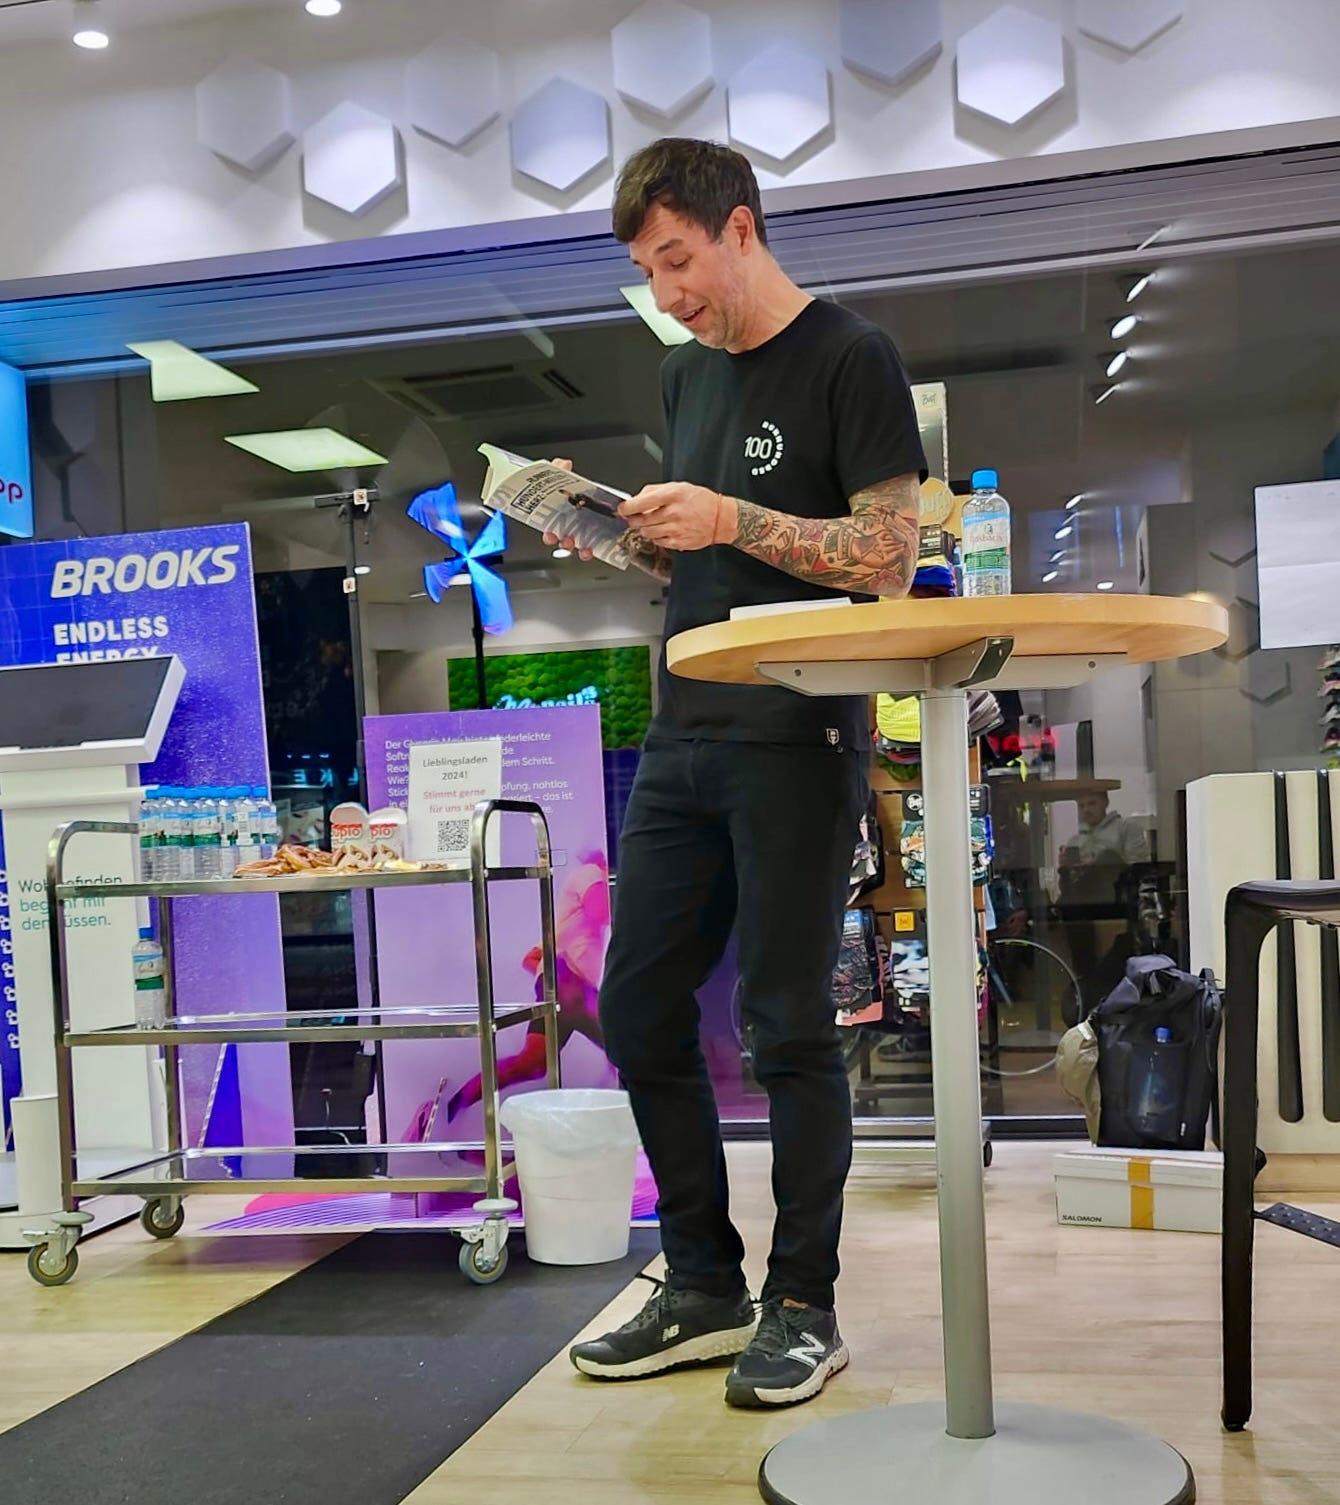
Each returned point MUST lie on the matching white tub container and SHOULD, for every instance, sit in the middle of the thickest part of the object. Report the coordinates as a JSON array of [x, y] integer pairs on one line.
[[576, 1160]]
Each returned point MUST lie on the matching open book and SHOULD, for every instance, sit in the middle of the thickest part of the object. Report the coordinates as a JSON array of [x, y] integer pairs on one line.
[[552, 500]]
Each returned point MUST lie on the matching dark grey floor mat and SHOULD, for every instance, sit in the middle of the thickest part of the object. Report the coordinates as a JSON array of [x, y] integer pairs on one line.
[[348, 1384]]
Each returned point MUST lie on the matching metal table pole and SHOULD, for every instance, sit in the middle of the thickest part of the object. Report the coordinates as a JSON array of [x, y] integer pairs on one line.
[[966, 1450], [955, 1068]]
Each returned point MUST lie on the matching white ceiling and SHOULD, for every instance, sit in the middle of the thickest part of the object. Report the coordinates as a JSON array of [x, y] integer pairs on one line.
[[49, 20]]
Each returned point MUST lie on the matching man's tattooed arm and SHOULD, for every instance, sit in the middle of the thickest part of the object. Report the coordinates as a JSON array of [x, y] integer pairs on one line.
[[649, 557], [873, 551]]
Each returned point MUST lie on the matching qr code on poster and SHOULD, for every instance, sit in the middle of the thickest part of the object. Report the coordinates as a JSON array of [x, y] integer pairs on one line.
[[453, 835]]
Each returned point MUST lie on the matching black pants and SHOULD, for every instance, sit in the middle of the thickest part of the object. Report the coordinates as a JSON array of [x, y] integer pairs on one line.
[[718, 832]]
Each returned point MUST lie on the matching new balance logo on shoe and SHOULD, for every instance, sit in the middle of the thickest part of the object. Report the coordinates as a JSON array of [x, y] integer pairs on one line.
[[809, 1351], [670, 1332]]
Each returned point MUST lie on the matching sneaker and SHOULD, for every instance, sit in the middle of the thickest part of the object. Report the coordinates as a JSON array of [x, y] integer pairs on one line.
[[794, 1352], [673, 1329]]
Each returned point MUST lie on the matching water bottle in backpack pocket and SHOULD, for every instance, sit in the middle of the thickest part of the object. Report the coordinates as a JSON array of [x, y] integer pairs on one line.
[[1156, 1087]]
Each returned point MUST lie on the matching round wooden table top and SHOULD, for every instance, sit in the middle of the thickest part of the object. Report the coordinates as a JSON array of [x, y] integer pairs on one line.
[[1143, 628]]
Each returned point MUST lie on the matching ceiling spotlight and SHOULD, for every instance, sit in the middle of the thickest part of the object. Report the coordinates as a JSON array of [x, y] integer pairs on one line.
[[1106, 585], [89, 30], [323, 7], [362, 569], [1153, 236], [1118, 360], [1106, 393], [1138, 286], [1057, 556], [562, 553], [1121, 327], [1050, 576], [1063, 532], [1074, 501]]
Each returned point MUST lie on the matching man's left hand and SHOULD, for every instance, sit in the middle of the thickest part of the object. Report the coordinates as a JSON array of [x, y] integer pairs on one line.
[[681, 517]]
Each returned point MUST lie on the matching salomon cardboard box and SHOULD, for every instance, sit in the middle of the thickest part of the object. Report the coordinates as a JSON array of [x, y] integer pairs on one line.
[[1160, 1189]]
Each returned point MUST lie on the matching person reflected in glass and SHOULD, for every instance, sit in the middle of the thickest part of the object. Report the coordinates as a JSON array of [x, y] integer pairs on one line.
[[1094, 864]]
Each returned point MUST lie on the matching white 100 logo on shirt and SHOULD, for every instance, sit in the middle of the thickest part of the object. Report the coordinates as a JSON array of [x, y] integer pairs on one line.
[[764, 449]]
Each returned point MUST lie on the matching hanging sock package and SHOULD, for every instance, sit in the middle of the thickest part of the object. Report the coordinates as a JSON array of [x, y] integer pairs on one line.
[[912, 837]]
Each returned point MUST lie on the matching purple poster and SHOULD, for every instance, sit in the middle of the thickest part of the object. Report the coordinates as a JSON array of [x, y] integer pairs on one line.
[[189, 592], [425, 938]]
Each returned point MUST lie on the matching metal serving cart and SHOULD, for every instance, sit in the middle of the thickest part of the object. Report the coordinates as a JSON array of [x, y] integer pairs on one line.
[[163, 1180]]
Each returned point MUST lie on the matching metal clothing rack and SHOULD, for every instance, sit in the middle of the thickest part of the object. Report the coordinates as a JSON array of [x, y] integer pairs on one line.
[[164, 1180]]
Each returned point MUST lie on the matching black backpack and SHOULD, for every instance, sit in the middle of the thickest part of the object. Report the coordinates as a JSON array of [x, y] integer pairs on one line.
[[1158, 1055]]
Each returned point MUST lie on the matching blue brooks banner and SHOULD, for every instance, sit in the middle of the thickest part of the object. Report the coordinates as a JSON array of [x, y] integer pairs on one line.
[[187, 592]]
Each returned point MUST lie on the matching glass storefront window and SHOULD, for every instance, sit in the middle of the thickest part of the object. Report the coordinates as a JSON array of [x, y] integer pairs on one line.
[[1131, 402]]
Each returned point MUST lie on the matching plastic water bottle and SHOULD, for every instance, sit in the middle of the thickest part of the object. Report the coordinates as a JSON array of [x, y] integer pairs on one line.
[[151, 835], [241, 834], [230, 813], [1155, 1103], [207, 834], [267, 820], [167, 867], [986, 538], [150, 992], [188, 808]]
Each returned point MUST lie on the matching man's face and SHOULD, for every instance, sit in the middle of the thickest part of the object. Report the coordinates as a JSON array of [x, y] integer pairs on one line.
[[1092, 809], [704, 283]]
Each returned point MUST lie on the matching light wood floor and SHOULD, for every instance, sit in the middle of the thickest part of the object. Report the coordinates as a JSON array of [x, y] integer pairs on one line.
[[1123, 1324]]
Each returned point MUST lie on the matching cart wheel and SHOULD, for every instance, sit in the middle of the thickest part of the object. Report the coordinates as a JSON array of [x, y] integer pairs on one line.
[[988, 1154], [473, 1270], [45, 1269], [157, 1222]]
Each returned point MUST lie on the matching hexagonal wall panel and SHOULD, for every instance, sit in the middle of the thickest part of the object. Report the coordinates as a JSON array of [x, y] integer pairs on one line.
[[351, 158], [452, 90], [663, 57], [1268, 677], [1232, 537], [1128, 24], [889, 39], [1010, 65], [561, 133], [778, 102], [244, 113], [1244, 631]]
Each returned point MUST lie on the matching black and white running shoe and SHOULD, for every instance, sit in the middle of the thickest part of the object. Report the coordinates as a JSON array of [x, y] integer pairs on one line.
[[794, 1352], [674, 1329]]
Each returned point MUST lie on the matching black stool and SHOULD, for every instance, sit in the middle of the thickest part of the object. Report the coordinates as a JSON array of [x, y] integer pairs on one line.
[[1251, 912]]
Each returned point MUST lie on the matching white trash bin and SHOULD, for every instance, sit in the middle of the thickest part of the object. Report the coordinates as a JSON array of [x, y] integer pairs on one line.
[[576, 1160]]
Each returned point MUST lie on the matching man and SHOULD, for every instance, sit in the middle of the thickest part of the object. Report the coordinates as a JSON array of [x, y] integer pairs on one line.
[[1105, 839], [1093, 863], [793, 468]]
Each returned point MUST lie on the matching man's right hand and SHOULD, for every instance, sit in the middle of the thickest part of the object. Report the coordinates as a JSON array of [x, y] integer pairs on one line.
[[554, 539]]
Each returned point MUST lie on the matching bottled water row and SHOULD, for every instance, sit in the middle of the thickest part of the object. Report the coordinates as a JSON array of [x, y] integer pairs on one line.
[[205, 832]]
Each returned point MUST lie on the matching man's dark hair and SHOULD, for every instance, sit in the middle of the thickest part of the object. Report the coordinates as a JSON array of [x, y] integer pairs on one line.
[[700, 180]]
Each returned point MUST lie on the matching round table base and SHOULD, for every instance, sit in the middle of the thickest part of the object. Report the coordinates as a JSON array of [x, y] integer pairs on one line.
[[1038, 1456]]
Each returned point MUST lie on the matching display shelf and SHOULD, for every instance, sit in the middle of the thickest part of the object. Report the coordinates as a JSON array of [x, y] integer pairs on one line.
[[321, 879], [171, 1174], [426, 1022]]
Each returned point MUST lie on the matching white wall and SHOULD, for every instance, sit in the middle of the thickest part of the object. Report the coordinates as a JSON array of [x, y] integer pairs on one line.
[[1242, 707], [102, 167]]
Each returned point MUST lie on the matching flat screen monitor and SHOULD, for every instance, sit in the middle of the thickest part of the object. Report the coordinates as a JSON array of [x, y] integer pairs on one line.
[[120, 705]]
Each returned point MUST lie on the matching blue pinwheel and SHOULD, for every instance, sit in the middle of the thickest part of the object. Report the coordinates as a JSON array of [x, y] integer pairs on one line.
[[437, 511]]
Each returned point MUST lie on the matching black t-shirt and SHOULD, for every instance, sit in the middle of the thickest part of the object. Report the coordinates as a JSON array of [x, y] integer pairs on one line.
[[799, 424]]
